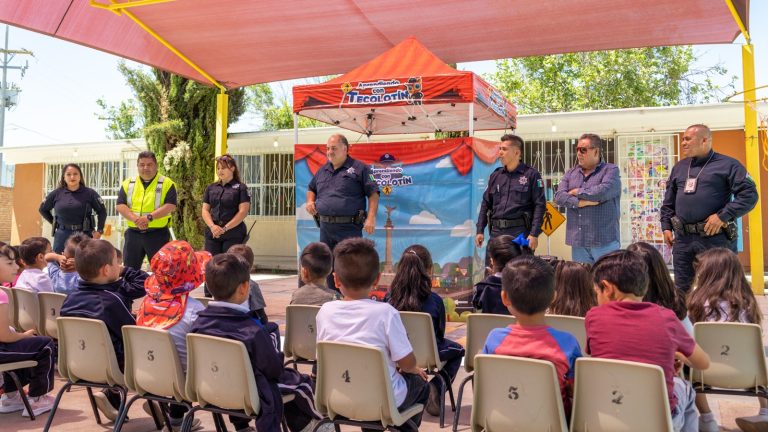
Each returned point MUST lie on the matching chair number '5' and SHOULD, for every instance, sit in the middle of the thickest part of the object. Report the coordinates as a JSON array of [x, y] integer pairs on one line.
[[513, 393]]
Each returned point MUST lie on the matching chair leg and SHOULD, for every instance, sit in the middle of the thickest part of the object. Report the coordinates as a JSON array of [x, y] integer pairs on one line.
[[218, 421], [123, 400], [189, 418], [122, 416], [458, 401], [166, 416], [449, 384], [20, 389], [442, 400], [56, 405], [93, 405], [155, 417]]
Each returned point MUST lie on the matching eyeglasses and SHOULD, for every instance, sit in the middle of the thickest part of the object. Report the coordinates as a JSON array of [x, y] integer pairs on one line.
[[583, 150]]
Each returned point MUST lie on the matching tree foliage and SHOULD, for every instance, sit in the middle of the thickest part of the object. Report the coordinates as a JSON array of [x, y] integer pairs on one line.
[[123, 121], [658, 76], [179, 118], [276, 112]]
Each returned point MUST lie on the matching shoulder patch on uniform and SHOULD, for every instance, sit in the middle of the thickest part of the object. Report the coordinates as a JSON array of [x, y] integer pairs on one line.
[[539, 183]]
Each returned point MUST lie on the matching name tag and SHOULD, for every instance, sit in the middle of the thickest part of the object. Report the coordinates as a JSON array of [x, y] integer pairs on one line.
[[690, 186]]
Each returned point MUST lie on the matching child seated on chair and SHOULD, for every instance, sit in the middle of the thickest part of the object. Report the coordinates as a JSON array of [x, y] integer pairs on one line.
[[723, 294], [316, 261], [256, 303], [61, 267], [227, 276], [411, 291], [624, 327], [33, 278], [487, 293], [15, 347], [358, 319], [528, 284], [176, 270], [105, 293]]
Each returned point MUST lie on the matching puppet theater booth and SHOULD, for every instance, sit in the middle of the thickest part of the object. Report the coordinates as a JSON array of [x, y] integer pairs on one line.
[[430, 190]]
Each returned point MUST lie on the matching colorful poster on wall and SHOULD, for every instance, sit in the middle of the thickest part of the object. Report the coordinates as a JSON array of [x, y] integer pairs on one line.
[[430, 195]]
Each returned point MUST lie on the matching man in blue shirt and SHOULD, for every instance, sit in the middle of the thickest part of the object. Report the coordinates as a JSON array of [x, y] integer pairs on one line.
[[590, 192], [337, 196]]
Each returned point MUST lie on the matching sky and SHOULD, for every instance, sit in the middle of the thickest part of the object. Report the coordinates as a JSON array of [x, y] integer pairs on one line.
[[60, 87]]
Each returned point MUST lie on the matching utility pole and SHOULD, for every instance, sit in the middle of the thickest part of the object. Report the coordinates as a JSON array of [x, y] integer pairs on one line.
[[8, 95]]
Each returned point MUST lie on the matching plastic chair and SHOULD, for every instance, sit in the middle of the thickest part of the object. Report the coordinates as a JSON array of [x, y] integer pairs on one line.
[[516, 394], [479, 325], [27, 309], [354, 387], [571, 324], [737, 361], [421, 334], [12, 314], [220, 379], [87, 358], [10, 369], [152, 370], [50, 305], [616, 395], [300, 334]]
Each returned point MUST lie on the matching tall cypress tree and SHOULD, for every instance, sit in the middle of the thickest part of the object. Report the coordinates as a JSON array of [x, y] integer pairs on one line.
[[179, 126]]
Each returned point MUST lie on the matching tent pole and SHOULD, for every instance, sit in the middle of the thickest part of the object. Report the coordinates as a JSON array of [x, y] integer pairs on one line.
[[222, 107], [472, 119], [755, 217]]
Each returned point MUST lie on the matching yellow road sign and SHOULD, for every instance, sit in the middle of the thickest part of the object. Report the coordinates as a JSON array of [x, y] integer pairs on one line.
[[552, 219]]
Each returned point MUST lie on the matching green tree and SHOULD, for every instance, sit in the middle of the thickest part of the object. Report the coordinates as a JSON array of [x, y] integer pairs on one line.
[[276, 112], [179, 117], [658, 76], [123, 121]]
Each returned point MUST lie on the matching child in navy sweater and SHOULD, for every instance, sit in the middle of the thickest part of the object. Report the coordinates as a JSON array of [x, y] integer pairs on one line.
[[487, 295]]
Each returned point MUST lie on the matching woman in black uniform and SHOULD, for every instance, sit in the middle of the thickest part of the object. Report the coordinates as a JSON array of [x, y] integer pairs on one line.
[[225, 206], [74, 205]]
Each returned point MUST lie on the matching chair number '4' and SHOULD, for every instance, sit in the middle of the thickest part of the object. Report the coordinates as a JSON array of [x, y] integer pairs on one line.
[[345, 375]]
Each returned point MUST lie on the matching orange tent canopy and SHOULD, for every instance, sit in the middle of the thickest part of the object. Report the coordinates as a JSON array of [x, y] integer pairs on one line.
[[405, 90]]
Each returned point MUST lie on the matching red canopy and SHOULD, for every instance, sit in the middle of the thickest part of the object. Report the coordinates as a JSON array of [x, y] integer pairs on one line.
[[405, 90], [242, 42]]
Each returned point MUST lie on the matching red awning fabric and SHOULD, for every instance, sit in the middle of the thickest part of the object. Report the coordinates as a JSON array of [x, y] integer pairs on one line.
[[245, 42], [461, 151], [407, 89]]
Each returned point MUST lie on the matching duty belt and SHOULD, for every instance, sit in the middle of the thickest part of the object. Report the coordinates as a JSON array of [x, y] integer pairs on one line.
[[336, 219], [71, 227], [507, 223]]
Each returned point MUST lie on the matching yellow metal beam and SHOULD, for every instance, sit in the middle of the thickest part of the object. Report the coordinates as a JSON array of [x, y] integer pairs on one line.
[[752, 143], [738, 20], [118, 7], [222, 108]]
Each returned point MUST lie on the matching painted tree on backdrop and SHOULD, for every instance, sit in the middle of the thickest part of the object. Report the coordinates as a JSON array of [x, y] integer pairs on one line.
[[179, 123], [658, 76]]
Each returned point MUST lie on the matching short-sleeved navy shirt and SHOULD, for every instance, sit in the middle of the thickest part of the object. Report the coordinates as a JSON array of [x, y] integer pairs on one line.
[[342, 192], [225, 200]]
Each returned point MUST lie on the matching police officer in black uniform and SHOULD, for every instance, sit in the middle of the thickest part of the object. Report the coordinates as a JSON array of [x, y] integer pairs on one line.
[[225, 206], [74, 205], [337, 194], [514, 201], [706, 192]]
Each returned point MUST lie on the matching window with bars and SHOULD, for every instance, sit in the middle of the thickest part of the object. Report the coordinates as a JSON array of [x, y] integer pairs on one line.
[[104, 177], [270, 180]]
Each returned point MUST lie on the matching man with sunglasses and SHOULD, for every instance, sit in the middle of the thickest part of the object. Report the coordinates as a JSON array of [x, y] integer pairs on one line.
[[590, 192]]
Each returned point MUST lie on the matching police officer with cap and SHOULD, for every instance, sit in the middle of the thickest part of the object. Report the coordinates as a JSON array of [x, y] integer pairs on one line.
[[706, 193], [337, 195], [146, 202], [514, 201]]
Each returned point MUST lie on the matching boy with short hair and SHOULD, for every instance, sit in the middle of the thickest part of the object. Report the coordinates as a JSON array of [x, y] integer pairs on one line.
[[61, 267], [316, 261], [256, 303], [358, 319], [624, 327], [528, 286], [32, 252], [227, 276], [104, 293]]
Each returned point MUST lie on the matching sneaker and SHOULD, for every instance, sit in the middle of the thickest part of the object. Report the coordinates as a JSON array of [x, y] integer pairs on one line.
[[319, 426], [756, 423], [433, 402], [106, 408], [708, 425], [39, 405], [176, 424], [12, 403]]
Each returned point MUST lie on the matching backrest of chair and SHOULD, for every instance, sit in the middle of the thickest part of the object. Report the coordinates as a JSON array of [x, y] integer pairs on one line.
[[421, 334], [479, 325], [50, 305], [12, 314], [736, 356], [616, 395], [301, 331], [27, 309], [219, 373], [203, 300], [151, 363], [86, 352], [516, 394], [570, 324], [353, 381]]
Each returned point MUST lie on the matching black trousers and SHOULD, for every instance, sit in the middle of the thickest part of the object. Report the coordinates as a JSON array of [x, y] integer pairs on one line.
[[333, 234], [40, 378], [140, 244], [495, 232], [222, 244], [684, 253], [60, 238]]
